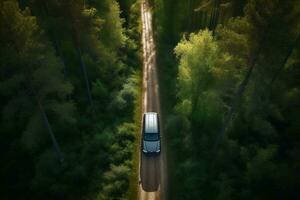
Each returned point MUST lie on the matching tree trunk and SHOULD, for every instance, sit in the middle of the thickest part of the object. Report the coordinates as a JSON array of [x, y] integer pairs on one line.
[[289, 53], [32, 92], [235, 104], [238, 95], [212, 17], [56, 44], [215, 16], [49, 129], [59, 54], [87, 83], [242, 87], [76, 37]]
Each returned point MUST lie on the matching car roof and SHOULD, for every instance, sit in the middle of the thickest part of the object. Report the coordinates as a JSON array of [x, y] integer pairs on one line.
[[151, 122]]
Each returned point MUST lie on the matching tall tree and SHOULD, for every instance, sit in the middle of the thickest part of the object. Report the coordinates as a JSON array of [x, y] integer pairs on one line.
[[28, 67], [264, 22]]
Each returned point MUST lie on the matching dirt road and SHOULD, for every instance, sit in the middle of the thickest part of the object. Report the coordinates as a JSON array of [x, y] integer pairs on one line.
[[152, 176]]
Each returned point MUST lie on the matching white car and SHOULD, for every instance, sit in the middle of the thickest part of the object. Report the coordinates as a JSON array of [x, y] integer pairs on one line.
[[151, 133]]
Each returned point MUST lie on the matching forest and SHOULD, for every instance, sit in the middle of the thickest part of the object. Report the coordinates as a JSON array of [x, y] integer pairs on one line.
[[229, 77], [69, 82], [71, 74]]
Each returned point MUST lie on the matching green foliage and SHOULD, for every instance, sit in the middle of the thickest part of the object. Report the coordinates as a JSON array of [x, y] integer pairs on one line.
[[45, 48], [116, 179], [260, 141], [124, 100], [197, 60]]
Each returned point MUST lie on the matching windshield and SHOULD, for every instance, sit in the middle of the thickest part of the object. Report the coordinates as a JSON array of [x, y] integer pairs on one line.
[[151, 136]]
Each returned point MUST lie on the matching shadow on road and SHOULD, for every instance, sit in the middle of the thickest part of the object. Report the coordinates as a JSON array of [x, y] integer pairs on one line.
[[150, 172]]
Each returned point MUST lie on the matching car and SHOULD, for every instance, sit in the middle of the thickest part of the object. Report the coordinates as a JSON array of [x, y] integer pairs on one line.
[[151, 133]]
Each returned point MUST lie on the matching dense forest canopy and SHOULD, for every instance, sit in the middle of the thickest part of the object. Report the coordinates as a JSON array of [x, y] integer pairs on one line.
[[69, 77], [229, 74], [70, 91]]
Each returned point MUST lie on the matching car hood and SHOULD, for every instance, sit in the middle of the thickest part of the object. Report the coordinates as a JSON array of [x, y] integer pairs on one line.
[[152, 146]]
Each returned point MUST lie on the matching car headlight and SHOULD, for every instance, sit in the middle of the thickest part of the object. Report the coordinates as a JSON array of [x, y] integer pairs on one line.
[[158, 151], [145, 151]]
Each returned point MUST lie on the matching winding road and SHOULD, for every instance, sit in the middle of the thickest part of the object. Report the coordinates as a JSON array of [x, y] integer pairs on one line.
[[152, 176]]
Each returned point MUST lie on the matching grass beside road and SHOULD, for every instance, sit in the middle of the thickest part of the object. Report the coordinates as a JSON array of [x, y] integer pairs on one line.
[[133, 181]]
